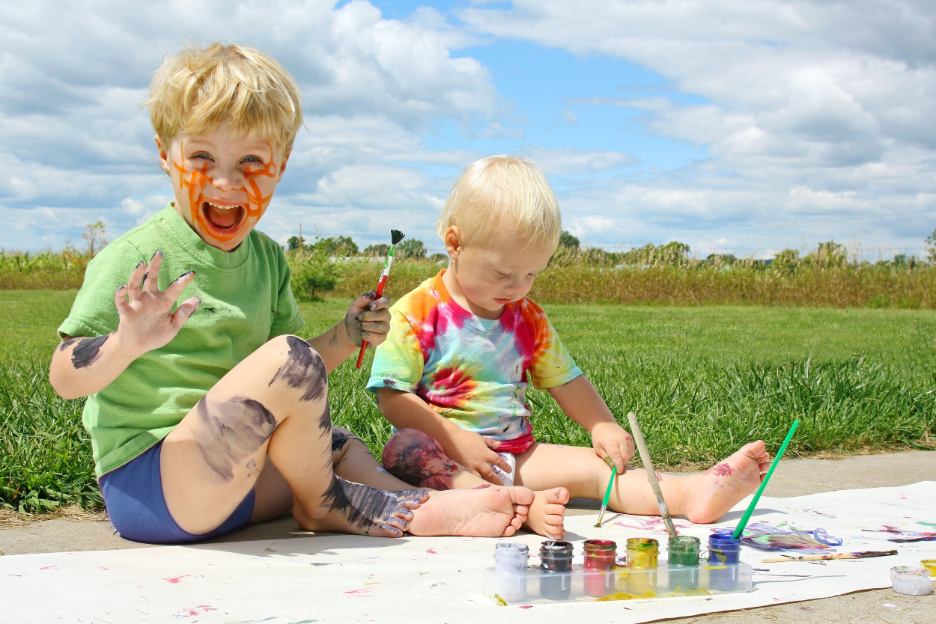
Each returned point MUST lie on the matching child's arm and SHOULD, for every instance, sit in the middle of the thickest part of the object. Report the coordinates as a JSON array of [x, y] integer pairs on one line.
[[582, 403], [473, 451], [366, 319], [83, 366]]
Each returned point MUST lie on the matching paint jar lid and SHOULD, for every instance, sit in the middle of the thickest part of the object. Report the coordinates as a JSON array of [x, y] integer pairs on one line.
[[723, 537], [911, 581], [513, 554], [600, 545], [684, 544], [555, 548], [642, 543]]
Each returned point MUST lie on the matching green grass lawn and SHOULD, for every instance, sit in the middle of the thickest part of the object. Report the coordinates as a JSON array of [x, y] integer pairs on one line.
[[704, 380]]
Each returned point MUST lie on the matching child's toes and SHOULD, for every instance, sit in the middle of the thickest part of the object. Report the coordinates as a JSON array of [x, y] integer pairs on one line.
[[559, 496]]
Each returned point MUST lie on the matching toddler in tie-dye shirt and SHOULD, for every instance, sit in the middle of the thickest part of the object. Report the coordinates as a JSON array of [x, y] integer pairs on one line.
[[452, 374]]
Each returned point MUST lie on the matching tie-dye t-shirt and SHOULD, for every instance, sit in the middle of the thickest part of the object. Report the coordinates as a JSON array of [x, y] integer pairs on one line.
[[469, 369]]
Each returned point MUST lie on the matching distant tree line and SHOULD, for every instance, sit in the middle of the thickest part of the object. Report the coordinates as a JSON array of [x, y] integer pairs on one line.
[[828, 254]]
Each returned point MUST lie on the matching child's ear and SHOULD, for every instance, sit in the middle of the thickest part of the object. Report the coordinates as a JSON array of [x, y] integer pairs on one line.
[[163, 156], [452, 240]]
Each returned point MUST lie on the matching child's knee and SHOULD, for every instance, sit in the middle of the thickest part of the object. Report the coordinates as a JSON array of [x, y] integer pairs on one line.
[[405, 441], [416, 458], [300, 366], [343, 442]]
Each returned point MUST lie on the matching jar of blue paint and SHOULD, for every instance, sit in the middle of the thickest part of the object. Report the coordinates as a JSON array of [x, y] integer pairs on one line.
[[724, 552]]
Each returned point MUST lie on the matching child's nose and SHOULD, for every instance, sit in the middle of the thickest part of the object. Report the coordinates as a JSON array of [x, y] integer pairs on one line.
[[228, 180]]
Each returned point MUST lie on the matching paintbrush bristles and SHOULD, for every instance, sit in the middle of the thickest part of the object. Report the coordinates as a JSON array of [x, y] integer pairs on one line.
[[396, 236]]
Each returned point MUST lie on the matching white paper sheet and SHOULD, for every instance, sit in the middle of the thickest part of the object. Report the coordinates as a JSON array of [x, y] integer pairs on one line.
[[339, 578]]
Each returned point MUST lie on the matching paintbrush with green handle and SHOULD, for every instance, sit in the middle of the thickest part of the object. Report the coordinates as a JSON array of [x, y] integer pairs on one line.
[[607, 496], [773, 466]]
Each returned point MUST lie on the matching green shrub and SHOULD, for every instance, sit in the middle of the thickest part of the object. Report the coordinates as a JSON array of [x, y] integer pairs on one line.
[[313, 274]]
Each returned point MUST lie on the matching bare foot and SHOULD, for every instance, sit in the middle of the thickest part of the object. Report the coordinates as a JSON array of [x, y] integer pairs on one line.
[[716, 490], [492, 511], [547, 513], [349, 507]]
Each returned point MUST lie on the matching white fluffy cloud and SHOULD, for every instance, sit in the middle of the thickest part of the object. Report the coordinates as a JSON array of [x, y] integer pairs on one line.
[[811, 119], [806, 109], [76, 135]]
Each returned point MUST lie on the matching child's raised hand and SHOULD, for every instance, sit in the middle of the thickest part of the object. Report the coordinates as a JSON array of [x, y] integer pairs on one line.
[[609, 439], [368, 319], [147, 321], [476, 453]]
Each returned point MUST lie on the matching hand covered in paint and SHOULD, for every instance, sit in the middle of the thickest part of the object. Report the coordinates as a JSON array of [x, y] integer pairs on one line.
[[147, 320], [368, 319], [609, 439], [477, 454]]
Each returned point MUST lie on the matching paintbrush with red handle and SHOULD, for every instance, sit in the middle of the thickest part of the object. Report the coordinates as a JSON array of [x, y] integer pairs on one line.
[[395, 237]]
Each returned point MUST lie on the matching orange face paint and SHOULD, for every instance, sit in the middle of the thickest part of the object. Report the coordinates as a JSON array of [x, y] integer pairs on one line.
[[253, 196]]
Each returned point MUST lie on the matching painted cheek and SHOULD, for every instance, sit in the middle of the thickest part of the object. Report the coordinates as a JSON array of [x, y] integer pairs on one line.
[[258, 180], [193, 182]]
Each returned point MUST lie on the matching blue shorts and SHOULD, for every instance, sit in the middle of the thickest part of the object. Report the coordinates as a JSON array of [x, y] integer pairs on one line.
[[133, 495]]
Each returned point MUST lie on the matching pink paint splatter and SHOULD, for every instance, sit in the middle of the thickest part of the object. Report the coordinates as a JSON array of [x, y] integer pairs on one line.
[[48, 567], [525, 607], [649, 524], [721, 470], [193, 611], [432, 551], [176, 579], [361, 591]]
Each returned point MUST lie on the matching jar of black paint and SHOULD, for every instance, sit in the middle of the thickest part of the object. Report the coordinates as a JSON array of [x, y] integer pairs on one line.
[[555, 569]]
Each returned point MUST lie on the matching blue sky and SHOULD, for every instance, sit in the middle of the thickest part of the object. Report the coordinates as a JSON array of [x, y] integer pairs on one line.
[[736, 127]]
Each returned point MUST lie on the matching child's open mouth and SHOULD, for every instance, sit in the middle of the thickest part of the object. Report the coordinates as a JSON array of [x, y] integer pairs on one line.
[[223, 217]]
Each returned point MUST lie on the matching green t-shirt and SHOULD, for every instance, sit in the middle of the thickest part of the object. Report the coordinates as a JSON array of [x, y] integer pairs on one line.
[[245, 301]]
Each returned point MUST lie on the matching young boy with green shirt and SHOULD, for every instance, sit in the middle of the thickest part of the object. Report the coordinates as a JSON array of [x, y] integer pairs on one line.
[[202, 423]]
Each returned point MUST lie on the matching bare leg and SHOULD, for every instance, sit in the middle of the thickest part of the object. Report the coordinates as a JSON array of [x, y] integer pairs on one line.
[[271, 405], [495, 511], [701, 497], [416, 458]]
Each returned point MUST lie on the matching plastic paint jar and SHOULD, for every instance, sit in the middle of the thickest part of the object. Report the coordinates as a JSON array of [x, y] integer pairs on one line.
[[555, 569], [600, 558], [911, 581], [642, 554], [510, 569], [683, 563], [724, 550]]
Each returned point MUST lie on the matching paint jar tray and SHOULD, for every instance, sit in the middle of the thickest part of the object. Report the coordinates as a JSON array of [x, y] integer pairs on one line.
[[532, 585]]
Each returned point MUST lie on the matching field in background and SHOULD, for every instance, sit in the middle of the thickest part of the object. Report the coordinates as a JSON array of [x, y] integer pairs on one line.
[[704, 379], [583, 279]]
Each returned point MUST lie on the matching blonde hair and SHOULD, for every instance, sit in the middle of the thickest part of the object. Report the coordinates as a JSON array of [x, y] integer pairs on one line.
[[199, 90], [499, 192]]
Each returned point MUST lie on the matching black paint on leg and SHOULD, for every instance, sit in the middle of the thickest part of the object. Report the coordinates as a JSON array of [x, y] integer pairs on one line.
[[366, 507], [303, 369], [325, 423], [340, 437], [232, 431]]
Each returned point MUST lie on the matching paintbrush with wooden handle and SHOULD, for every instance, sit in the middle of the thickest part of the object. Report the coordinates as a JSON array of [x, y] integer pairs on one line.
[[865, 554]]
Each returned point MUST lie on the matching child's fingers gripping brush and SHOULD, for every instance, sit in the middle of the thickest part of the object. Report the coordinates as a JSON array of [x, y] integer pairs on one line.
[[395, 237]]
